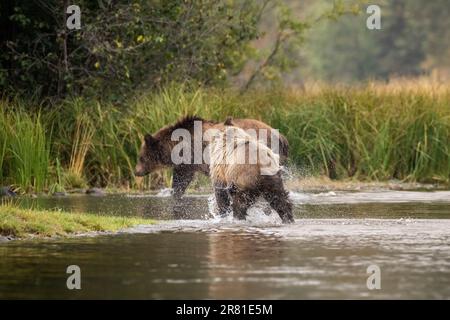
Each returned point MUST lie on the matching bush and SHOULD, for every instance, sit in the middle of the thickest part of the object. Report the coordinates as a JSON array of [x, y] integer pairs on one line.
[[122, 45]]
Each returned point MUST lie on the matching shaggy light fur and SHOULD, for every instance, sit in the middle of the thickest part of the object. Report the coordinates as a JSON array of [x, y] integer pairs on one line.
[[238, 159]]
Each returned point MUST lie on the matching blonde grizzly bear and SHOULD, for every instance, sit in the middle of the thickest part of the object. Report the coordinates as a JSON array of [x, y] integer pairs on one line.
[[242, 169]]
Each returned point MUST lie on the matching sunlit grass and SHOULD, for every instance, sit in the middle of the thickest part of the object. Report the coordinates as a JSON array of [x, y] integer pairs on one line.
[[24, 223]]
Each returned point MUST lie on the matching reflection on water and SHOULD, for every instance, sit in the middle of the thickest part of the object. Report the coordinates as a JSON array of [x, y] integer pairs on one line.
[[323, 255], [164, 208]]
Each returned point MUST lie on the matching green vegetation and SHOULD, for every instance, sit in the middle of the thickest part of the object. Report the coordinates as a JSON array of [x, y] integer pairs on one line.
[[23, 223], [125, 45], [29, 148], [373, 132], [413, 41]]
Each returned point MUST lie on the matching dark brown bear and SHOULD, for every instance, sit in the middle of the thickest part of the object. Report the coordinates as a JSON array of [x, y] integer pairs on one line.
[[156, 149]]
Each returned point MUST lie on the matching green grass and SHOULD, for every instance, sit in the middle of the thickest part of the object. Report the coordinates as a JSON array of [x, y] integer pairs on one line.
[[3, 141], [30, 151], [372, 132], [25, 223], [25, 149]]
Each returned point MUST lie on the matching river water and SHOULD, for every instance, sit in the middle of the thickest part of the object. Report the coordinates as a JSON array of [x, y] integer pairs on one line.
[[191, 254]]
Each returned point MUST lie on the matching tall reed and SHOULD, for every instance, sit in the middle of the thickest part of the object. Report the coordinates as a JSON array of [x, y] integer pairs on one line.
[[81, 143], [3, 140], [29, 147]]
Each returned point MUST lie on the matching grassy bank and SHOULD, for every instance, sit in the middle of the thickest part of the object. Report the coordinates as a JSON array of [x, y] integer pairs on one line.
[[24, 223], [372, 132]]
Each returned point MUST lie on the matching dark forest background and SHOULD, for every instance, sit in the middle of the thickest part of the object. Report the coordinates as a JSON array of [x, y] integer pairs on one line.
[[125, 46]]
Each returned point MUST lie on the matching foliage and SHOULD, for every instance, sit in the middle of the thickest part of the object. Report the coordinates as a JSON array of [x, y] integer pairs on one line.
[[413, 40], [127, 46], [122, 45]]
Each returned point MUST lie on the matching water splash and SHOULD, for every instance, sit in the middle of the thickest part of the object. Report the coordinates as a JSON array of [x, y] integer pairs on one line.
[[260, 214], [166, 192]]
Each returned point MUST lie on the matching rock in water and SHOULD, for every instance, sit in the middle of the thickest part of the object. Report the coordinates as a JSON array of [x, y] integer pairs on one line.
[[59, 194], [95, 192], [6, 238], [6, 192], [166, 192]]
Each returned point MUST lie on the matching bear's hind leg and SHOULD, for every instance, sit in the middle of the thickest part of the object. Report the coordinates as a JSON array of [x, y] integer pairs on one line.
[[281, 204]]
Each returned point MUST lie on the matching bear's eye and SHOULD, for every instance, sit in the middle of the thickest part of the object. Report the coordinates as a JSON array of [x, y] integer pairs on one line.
[[141, 159]]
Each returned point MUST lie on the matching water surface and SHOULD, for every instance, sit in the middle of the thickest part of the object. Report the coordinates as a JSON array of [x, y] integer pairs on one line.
[[191, 254]]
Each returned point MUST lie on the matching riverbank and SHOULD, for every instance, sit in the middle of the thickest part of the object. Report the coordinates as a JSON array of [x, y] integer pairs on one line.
[[323, 183], [18, 223], [202, 185]]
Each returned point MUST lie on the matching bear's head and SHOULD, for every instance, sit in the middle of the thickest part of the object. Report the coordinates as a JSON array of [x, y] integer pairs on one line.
[[151, 156]]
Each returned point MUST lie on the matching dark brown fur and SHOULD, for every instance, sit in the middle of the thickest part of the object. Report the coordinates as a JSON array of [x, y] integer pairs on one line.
[[270, 188]]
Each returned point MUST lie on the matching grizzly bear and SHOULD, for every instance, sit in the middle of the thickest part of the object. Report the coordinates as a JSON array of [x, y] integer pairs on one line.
[[242, 169], [156, 149]]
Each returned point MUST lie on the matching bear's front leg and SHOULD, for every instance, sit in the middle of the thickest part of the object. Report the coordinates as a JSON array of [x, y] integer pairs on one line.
[[241, 202], [182, 177]]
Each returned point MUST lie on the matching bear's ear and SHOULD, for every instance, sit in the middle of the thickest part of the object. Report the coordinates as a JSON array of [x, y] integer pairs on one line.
[[149, 140]]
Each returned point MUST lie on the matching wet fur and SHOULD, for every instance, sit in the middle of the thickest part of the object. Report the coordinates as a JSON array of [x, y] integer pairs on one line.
[[238, 185]]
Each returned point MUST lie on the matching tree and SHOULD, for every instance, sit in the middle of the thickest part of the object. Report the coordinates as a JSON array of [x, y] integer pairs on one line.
[[122, 45], [400, 45], [412, 41]]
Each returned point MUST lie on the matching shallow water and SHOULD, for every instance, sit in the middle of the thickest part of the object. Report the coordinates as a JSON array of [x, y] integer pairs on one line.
[[381, 204], [191, 254]]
